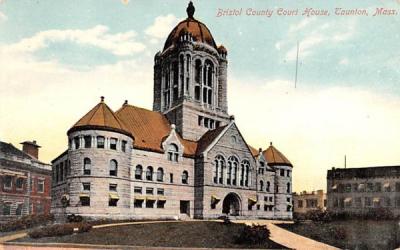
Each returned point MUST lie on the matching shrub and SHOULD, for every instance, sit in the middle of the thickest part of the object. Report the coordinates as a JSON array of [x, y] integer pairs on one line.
[[51, 231], [84, 227], [27, 221], [253, 234], [74, 218]]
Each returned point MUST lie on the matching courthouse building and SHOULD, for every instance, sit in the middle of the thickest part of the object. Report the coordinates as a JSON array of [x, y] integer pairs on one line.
[[184, 158], [358, 190], [25, 181]]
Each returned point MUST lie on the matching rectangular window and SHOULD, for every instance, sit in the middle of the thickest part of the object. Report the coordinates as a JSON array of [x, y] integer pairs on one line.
[[86, 186], [123, 146], [288, 173], [113, 187], [271, 198], [113, 143], [160, 204], [6, 208], [370, 187], [160, 191], [265, 198], [85, 201], [358, 202], [282, 172], [138, 190], [368, 201], [112, 202], [88, 141], [77, 142], [378, 187], [300, 203], [7, 182], [100, 141], [149, 190], [171, 178], [149, 203], [18, 211], [347, 188], [138, 203], [200, 120], [355, 187], [40, 186]]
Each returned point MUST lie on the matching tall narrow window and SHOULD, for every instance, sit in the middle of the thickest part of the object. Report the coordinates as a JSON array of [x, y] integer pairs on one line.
[[88, 141], [185, 177], [268, 186], [261, 185], [220, 166], [113, 168], [113, 143], [288, 188], [7, 182], [87, 166], [138, 172], [77, 142], [123, 146], [160, 174], [149, 173], [40, 186], [233, 167], [100, 141], [245, 172]]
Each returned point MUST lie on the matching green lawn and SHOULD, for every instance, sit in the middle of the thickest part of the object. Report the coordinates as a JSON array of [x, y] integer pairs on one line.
[[351, 234], [173, 234]]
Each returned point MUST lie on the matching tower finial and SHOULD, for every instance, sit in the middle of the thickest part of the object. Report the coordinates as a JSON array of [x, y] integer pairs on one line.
[[190, 10], [102, 98]]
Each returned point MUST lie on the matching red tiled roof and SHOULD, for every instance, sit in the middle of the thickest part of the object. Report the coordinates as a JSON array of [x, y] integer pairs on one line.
[[208, 138], [150, 129], [275, 158], [103, 118], [254, 151]]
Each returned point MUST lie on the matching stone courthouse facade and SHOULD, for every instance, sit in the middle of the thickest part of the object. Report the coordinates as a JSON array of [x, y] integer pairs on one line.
[[186, 158]]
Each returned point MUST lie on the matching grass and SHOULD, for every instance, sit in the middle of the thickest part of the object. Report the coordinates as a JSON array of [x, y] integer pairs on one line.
[[351, 234], [204, 234]]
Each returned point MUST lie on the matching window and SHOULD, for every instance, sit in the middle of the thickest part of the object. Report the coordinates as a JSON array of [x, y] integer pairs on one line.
[[6, 208], [138, 172], [358, 202], [370, 187], [113, 143], [86, 186], [288, 188], [160, 191], [19, 183], [270, 198], [368, 201], [160, 204], [244, 175], [288, 173], [18, 211], [87, 166], [113, 202], [171, 178], [232, 170], [149, 190], [261, 185], [100, 141], [138, 190], [85, 201], [219, 169], [138, 203], [39, 208], [7, 182], [386, 187], [76, 142], [149, 173], [282, 172], [123, 146], [173, 154], [160, 174], [185, 177], [300, 203], [40, 186], [88, 141], [378, 187], [113, 168], [388, 202], [268, 186], [113, 187], [149, 203], [347, 188]]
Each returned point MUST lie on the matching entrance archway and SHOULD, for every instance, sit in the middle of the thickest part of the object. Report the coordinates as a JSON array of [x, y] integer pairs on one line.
[[231, 204]]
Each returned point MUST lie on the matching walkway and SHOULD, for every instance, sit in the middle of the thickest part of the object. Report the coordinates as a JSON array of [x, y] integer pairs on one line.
[[279, 235]]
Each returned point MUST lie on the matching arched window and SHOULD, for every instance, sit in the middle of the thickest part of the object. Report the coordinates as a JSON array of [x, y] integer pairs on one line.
[[245, 172], [138, 172], [113, 168], [173, 153], [87, 166], [288, 188], [219, 169], [268, 186], [149, 173], [261, 185], [160, 174], [232, 170], [185, 177], [197, 74]]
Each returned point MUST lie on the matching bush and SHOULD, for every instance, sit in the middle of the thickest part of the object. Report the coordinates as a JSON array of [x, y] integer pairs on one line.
[[254, 234], [74, 218], [51, 231], [27, 221], [84, 227]]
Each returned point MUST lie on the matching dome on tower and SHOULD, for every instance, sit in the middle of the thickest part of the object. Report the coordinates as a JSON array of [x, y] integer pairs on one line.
[[275, 158], [197, 29]]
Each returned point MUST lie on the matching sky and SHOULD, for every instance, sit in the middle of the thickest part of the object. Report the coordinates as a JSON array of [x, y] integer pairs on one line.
[[58, 57]]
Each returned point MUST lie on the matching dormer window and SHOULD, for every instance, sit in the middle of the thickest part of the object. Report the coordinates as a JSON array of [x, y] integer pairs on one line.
[[173, 153]]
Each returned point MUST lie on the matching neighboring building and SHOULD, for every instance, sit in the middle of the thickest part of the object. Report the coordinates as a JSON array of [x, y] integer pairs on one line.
[[186, 158], [25, 181], [358, 190], [304, 202]]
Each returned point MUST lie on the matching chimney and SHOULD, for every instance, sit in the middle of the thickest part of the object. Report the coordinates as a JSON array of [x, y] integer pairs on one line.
[[31, 148]]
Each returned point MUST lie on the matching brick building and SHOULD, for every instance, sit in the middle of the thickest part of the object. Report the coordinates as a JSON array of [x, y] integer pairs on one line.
[[186, 158], [25, 181], [358, 190], [308, 201]]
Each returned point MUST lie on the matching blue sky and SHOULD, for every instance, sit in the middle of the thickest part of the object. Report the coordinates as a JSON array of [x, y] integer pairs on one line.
[[58, 57]]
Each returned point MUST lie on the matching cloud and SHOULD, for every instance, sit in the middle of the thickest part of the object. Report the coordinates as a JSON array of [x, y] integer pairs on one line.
[[3, 17], [119, 44], [161, 27]]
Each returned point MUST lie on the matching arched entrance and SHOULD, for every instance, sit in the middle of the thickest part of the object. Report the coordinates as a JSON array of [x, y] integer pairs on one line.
[[231, 204]]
